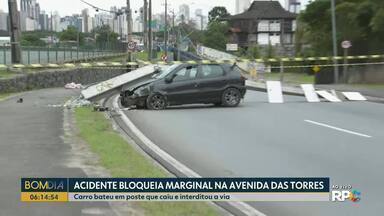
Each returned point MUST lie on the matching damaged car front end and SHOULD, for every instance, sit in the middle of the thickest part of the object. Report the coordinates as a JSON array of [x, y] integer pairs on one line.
[[136, 96]]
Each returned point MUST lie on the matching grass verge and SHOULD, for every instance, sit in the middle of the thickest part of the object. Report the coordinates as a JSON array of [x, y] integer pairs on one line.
[[369, 86], [4, 95], [123, 160], [6, 74]]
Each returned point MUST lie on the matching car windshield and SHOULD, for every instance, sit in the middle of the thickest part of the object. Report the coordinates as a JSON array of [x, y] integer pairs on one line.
[[165, 72]]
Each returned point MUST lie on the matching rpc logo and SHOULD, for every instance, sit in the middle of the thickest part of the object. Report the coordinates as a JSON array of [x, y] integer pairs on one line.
[[341, 196]]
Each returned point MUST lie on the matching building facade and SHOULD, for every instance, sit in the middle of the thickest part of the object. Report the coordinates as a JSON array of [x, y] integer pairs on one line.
[[44, 21], [184, 13], [265, 22], [85, 15], [29, 15], [55, 21], [293, 6], [242, 5], [3, 21]]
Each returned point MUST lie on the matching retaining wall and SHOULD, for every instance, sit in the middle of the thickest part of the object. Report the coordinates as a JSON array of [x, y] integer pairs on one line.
[[366, 74], [58, 78]]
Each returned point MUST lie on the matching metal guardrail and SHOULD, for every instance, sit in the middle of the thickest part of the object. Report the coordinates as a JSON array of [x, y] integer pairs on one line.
[[44, 55]]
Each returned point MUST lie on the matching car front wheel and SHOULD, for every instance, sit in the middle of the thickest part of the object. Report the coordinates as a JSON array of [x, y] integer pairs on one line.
[[156, 102], [123, 102], [231, 97]]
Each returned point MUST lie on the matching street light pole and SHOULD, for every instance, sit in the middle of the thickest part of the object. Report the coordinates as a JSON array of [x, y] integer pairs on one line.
[[334, 38], [166, 30], [129, 25], [145, 23], [150, 30], [15, 32]]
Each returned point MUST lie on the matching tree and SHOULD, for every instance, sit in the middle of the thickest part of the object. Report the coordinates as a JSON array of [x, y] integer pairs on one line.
[[31, 39], [71, 34], [253, 51], [191, 31], [217, 14], [105, 37], [216, 35], [359, 21]]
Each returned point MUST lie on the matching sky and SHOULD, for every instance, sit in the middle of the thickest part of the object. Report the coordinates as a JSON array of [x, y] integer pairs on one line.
[[69, 7]]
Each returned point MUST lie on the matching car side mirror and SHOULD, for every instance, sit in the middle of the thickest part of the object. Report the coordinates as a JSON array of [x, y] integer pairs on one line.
[[168, 79]]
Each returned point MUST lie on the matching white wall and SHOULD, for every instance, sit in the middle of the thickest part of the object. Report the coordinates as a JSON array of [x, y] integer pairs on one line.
[[269, 25], [263, 38], [242, 5], [3, 20], [274, 38]]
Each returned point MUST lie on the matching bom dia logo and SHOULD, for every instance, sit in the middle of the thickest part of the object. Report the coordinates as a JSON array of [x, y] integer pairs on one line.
[[341, 196], [43, 184]]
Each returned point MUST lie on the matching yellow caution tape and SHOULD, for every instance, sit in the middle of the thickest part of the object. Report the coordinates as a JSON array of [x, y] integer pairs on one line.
[[231, 61], [101, 64], [53, 65], [132, 63], [19, 66], [36, 65], [85, 65], [116, 64]]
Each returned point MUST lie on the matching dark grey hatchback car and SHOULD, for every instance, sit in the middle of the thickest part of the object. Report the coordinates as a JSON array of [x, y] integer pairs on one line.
[[219, 84]]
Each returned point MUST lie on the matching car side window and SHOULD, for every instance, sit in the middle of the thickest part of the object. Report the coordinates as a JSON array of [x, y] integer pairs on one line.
[[186, 73], [211, 71]]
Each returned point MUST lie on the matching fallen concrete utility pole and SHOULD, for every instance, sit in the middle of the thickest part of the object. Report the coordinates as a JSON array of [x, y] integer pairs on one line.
[[114, 85]]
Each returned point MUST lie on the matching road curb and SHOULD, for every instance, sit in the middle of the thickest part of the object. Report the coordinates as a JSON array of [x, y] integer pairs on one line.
[[176, 167]]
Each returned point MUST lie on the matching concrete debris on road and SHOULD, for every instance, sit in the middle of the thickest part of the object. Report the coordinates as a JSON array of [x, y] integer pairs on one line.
[[98, 108], [77, 102], [73, 85]]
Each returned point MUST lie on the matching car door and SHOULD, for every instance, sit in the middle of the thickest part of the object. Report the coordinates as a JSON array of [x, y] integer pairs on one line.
[[211, 82], [183, 87]]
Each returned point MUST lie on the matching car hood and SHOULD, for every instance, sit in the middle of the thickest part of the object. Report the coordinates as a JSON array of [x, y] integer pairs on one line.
[[139, 85]]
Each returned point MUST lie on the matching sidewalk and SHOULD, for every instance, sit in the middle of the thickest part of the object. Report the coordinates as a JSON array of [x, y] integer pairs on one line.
[[365, 89], [32, 145]]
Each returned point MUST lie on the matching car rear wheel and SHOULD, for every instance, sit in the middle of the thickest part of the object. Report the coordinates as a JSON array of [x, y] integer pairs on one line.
[[231, 97], [156, 102]]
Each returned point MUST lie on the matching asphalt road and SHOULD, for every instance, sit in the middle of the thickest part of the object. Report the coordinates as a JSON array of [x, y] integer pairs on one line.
[[343, 141], [32, 145]]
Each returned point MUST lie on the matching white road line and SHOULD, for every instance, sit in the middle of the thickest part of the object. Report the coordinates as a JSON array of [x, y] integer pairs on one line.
[[338, 129]]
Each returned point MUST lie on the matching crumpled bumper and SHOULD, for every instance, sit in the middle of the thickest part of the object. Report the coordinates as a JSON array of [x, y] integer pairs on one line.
[[133, 100]]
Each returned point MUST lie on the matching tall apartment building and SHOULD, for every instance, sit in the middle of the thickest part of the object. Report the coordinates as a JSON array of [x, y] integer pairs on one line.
[[85, 15], [293, 6], [242, 5], [29, 15], [184, 13], [44, 21], [3, 21]]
